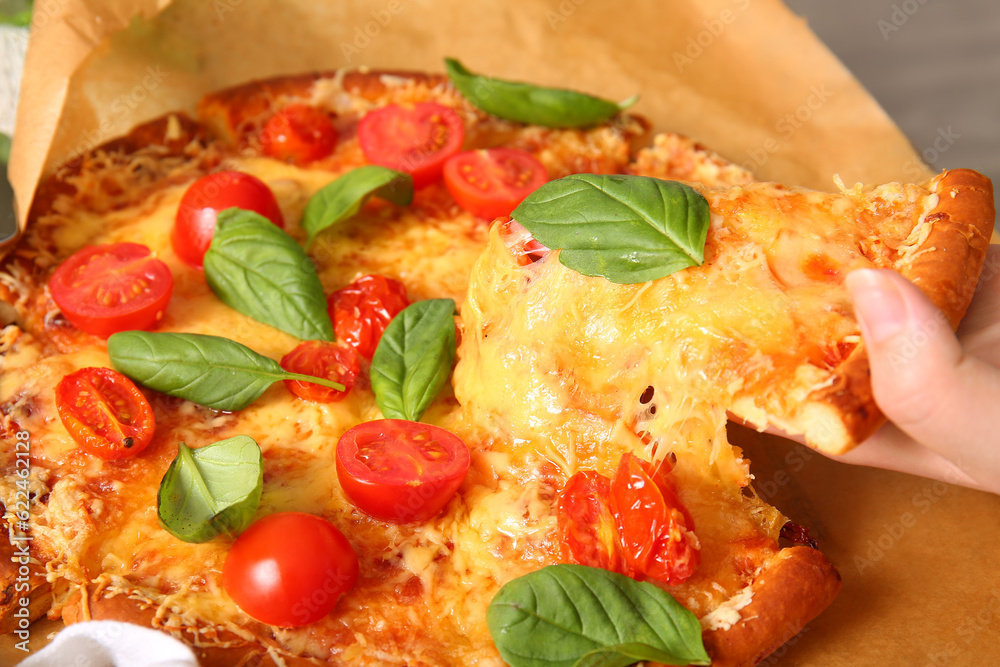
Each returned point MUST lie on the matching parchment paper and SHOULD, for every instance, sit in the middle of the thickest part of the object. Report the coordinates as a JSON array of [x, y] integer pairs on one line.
[[746, 77]]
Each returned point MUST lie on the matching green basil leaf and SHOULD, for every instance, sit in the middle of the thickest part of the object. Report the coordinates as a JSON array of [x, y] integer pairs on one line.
[[343, 198], [413, 358], [4, 149], [215, 372], [527, 103], [570, 615], [628, 229], [211, 490], [253, 266]]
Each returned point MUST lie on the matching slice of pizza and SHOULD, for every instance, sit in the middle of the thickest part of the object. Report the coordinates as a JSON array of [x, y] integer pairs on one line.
[[762, 329], [572, 393]]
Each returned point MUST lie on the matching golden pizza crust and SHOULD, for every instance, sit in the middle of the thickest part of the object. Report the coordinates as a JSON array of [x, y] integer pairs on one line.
[[954, 237], [789, 591], [946, 264]]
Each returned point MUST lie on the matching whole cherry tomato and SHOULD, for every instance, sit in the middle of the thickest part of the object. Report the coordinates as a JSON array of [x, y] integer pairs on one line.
[[401, 471], [361, 311], [587, 529], [657, 536], [332, 361], [105, 289], [289, 569], [299, 134], [105, 413], [194, 225], [413, 139]]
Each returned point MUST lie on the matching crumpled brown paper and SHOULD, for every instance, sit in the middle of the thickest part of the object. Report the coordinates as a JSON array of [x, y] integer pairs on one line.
[[746, 77]]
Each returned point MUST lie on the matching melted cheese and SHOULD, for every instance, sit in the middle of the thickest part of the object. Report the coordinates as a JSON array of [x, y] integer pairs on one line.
[[98, 528], [552, 367]]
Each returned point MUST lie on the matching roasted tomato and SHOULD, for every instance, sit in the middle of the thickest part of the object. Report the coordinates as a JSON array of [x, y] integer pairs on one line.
[[331, 361], [587, 529], [105, 289], [491, 182], [361, 311], [289, 569], [656, 532], [521, 244], [105, 412], [414, 139], [401, 471], [299, 134], [194, 225]]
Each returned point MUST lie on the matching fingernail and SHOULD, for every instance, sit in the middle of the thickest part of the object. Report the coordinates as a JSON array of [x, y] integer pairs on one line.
[[878, 304]]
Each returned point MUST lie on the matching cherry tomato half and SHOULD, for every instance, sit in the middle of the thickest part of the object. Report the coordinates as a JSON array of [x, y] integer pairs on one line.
[[657, 539], [401, 471], [104, 289], [491, 182], [194, 225], [289, 569], [326, 360], [416, 140], [105, 412], [299, 134], [361, 311], [521, 244], [587, 529]]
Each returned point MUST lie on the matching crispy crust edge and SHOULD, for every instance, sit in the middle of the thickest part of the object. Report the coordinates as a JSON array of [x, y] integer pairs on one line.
[[954, 236], [946, 266], [101, 605], [955, 248], [225, 113], [790, 590]]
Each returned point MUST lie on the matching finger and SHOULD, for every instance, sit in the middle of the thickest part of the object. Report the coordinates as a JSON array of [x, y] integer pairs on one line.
[[921, 378], [891, 449]]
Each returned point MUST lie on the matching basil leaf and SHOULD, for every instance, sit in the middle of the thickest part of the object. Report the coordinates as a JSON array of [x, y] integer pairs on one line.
[[253, 266], [413, 358], [215, 372], [343, 198], [211, 490], [628, 229], [527, 103], [568, 615]]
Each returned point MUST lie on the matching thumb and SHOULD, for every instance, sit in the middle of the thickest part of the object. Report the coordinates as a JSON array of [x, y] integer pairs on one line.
[[921, 378]]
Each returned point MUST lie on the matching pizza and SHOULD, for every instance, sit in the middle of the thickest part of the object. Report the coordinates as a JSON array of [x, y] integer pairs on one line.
[[579, 433]]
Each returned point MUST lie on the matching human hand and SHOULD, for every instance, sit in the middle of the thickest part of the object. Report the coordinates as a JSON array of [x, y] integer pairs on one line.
[[940, 392]]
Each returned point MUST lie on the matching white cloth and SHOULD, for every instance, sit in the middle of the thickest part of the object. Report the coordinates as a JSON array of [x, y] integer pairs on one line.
[[13, 45], [112, 644]]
